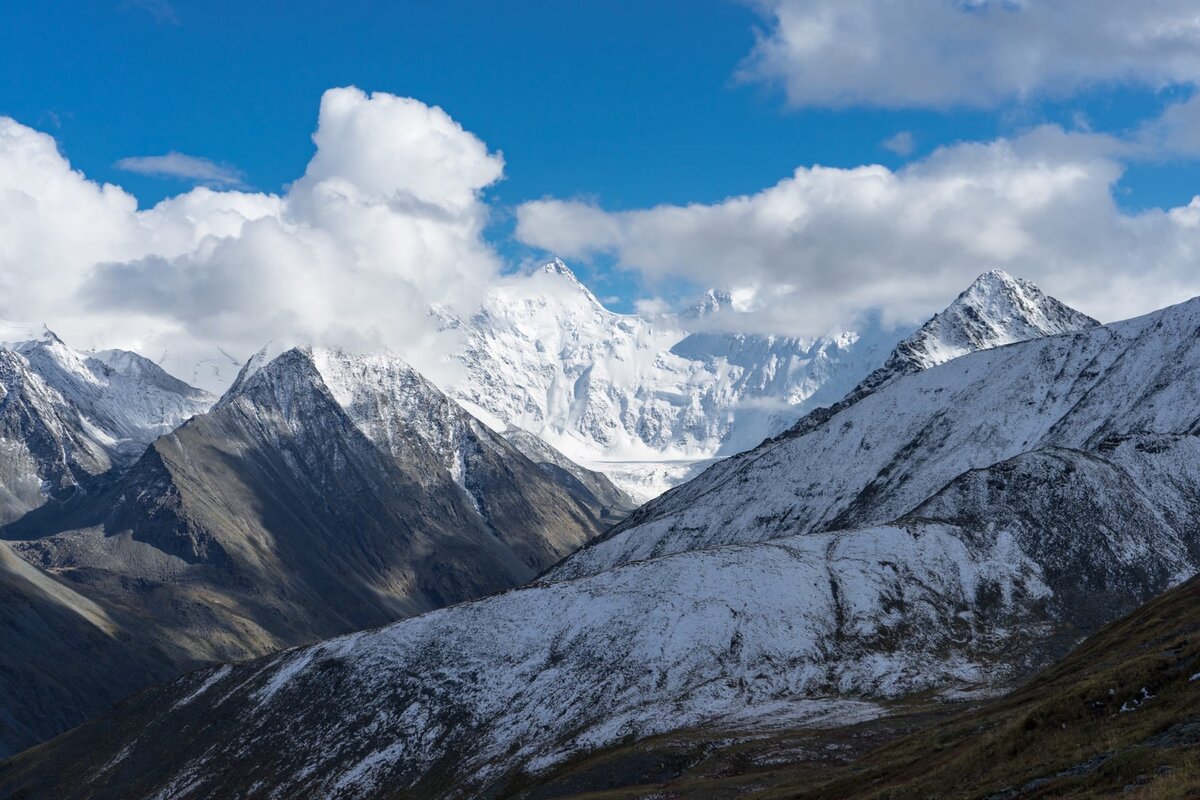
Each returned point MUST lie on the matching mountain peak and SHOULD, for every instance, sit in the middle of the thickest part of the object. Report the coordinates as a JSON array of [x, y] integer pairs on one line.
[[996, 309], [714, 300], [558, 267]]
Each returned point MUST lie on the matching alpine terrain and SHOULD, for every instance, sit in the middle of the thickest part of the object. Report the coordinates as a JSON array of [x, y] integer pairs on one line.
[[652, 400], [67, 417], [324, 493], [948, 533]]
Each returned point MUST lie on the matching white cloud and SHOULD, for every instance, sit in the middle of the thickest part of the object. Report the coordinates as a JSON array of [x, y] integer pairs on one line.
[[901, 143], [179, 165], [938, 53], [386, 220], [825, 244]]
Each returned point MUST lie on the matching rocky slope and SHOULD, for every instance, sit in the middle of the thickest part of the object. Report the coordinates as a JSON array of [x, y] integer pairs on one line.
[[324, 493]]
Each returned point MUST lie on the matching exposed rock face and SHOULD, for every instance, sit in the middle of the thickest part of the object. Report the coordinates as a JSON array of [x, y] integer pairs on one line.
[[324, 493]]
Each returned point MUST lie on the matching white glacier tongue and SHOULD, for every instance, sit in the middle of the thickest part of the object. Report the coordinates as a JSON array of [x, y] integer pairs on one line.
[[646, 400]]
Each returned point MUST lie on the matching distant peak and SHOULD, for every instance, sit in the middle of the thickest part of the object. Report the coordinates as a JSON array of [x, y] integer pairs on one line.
[[714, 300], [560, 270], [558, 267]]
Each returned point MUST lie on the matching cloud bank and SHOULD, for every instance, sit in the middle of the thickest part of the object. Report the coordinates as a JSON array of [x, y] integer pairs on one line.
[[980, 53], [386, 220], [823, 245]]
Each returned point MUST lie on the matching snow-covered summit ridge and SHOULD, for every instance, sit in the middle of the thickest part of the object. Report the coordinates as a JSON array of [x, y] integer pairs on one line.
[[995, 310], [641, 397]]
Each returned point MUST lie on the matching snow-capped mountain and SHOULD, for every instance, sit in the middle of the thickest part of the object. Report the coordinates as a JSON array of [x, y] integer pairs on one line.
[[995, 310], [875, 459], [68, 416], [651, 401], [646, 400], [323, 493], [951, 530]]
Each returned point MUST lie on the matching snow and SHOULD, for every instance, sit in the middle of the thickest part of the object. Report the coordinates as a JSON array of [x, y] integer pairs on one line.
[[879, 457], [651, 400], [642, 398]]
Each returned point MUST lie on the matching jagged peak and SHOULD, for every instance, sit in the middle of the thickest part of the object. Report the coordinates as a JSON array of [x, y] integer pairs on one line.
[[996, 309], [711, 302], [558, 268]]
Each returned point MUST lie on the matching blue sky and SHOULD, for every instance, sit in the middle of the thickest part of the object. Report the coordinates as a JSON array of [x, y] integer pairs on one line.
[[632, 123]]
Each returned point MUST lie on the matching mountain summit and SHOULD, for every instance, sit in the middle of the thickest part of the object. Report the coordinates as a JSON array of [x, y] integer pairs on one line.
[[996, 309]]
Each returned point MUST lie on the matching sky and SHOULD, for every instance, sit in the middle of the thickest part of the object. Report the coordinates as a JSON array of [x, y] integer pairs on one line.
[[178, 177]]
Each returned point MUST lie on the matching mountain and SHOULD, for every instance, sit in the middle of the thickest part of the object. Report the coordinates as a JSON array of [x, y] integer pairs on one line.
[[67, 417], [651, 400], [872, 460], [995, 310], [995, 575], [593, 487], [323, 493], [1071, 496], [647, 400]]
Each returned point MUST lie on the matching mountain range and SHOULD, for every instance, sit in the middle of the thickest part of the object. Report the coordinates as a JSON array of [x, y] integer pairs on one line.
[[651, 400], [944, 530], [323, 493]]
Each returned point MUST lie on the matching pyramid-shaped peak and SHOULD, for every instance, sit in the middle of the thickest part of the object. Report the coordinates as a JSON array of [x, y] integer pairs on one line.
[[558, 267], [996, 309], [568, 278]]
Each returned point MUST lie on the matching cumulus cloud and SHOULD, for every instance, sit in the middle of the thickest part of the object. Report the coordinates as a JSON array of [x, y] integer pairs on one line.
[[823, 245], [938, 53], [179, 165], [386, 220]]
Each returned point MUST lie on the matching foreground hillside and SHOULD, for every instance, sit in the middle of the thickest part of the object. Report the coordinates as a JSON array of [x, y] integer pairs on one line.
[[1118, 717], [993, 576]]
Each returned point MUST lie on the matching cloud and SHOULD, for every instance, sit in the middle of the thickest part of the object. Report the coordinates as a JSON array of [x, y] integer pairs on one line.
[[901, 143], [386, 220], [179, 165], [823, 245], [978, 53]]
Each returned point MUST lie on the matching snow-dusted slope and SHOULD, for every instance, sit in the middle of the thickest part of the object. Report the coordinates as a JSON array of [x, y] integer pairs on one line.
[[870, 461], [1000, 571], [71, 416], [642, 399]]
